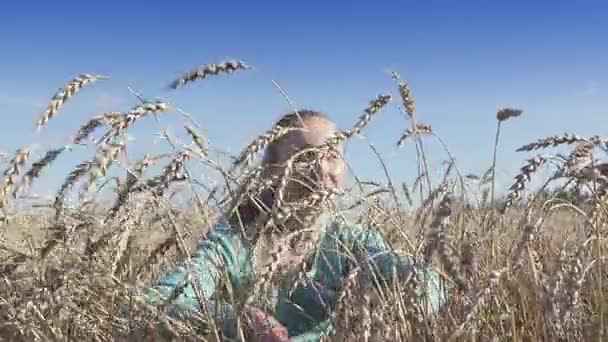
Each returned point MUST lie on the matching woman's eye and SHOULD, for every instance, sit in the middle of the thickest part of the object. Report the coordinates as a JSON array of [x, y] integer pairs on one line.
[[334, 155]]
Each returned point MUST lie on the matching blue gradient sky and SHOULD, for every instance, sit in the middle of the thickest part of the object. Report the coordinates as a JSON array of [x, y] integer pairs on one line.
[[464, 60]]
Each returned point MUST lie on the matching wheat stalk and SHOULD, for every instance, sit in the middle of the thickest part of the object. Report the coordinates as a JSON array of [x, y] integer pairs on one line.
[[249, 153], [157, 252], [409, 104], [198, 139], [172, 172], [120, 251], [521, 179], [437, 243], [552, 141], [95, 122], [478, 301], [374, 107], [96, 168], [508, 113], [581, 153], [122, 122], [501, 116], [64, 95], [518, 254], [420, 129], [37, 167], [132, 178], [205, 71], [13, 171]]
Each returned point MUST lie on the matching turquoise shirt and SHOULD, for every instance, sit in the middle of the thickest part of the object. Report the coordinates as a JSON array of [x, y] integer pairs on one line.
[[225, 254]]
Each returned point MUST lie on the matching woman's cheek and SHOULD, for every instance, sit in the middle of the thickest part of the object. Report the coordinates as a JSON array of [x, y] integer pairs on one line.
[[333, 171]]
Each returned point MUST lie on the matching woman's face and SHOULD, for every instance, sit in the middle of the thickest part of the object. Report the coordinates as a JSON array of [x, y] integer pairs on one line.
[[316, 131]]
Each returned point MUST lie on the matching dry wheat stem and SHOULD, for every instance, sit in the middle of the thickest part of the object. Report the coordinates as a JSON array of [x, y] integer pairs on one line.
[[407, 194], [392, 188], [96, 169], [409, 106], [501, 116], [198, 140], [430, 201], [157, 252], [172, 172], [475, 303], [120, 250], [104, 158], [518, 254], [493, 180], [132, 178], [438, 228]]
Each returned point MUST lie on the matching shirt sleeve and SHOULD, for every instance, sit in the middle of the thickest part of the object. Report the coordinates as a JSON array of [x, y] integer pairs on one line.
[[345, 247], [324, 328], [369, 249], [215, 259]]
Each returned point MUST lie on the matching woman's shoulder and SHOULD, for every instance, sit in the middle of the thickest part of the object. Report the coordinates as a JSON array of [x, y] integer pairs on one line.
[[222, 233], [219, 228], [223, 227], [350, 232], [339, 226]]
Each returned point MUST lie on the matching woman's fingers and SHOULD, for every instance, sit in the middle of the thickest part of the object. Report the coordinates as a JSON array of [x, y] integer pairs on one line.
[[267, 328]]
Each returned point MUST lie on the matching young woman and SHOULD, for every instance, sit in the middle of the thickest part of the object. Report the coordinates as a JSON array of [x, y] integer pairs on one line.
[[225, 261]]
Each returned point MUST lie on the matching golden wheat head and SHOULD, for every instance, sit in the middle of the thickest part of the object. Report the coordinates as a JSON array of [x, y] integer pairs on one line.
[[205, 71], [508, 113], [552, 141], [120, 123], [13, 171], [93, 123], [407, 98], [37, 167], [521, 179], [60, 98], [420, 129]]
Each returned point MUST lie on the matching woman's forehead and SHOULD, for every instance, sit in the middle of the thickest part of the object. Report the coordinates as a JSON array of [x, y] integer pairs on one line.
[[317, 131]]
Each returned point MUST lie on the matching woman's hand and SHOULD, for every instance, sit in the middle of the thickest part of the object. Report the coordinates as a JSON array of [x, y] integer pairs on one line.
[[267, 329]]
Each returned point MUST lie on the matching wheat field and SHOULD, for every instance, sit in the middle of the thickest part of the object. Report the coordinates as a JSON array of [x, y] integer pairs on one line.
[[526, 265]]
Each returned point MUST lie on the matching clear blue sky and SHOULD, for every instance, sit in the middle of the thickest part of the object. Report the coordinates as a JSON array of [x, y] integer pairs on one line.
[[463, 59]]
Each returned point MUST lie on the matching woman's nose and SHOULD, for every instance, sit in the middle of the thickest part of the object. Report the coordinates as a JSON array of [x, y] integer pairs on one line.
[[333, 171]]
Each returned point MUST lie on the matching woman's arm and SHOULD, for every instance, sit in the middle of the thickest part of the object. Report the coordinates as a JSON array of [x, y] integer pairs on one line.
[[214, 260], [369, 249], [342, 249]]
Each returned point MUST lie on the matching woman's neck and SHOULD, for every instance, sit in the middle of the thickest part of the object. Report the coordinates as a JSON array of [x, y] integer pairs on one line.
[[253, 214], [251, 210]]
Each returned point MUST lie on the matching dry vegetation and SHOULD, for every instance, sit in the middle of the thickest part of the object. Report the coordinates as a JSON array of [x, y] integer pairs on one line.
[[527, 266]]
